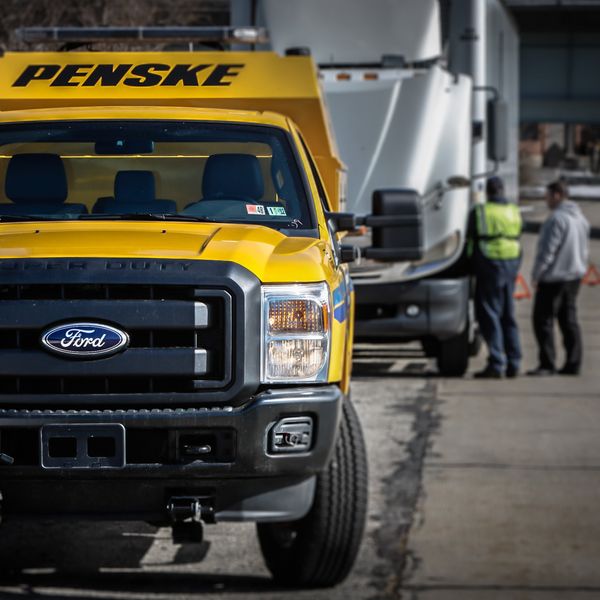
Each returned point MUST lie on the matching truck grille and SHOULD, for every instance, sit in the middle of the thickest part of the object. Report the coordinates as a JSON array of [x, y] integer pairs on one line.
[[181, 347], [160, 321]]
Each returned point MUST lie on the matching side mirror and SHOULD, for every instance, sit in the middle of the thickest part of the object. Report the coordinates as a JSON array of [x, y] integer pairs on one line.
[[497, 130], [340, 221], [397, 224]]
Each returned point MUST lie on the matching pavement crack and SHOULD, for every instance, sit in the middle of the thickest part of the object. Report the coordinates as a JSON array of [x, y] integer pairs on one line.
[[402, 490]]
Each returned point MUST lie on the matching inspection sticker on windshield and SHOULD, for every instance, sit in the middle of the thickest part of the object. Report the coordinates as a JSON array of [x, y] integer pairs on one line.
[[255, 209], [276, 211]]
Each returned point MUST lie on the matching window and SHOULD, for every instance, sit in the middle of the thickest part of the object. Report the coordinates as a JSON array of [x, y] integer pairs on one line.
[[222, 172]]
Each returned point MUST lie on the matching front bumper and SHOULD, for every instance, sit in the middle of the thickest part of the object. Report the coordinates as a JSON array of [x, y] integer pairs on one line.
[[253, 483], [381, 309]]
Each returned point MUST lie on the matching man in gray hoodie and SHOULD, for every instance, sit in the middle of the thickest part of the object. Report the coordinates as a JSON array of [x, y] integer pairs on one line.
[[561, 261]]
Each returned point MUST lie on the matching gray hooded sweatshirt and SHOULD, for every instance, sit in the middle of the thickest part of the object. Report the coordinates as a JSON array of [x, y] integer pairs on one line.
[[562, 250]]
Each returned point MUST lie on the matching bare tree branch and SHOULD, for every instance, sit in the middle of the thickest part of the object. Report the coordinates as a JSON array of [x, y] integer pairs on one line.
[[55, 13]]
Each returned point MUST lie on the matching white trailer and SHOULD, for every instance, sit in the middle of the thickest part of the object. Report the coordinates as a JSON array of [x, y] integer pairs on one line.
[[423, 100]]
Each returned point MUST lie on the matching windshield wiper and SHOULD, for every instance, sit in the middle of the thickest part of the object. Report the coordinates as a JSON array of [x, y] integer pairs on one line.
[[145, 217], [294, 224]]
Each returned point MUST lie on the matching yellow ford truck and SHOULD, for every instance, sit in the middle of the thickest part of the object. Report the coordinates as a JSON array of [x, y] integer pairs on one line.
[[175, 314]]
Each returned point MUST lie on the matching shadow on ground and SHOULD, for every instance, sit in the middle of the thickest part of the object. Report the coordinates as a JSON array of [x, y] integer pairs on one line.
[[137, 585], [79, 557]]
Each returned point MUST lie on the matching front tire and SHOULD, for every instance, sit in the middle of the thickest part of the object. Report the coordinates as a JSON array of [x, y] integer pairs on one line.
[[453, 355], [320, 549]]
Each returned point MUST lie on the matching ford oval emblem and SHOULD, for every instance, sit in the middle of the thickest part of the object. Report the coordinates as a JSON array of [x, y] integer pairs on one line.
[[84, 340]]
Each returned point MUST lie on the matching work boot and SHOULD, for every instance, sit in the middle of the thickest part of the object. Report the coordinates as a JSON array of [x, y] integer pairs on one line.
[[541, 372], [488, 373], [569, 370]]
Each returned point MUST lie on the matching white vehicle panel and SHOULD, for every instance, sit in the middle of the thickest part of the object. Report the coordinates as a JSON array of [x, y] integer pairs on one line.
[[412, 132], [343, 32], [501, 71]]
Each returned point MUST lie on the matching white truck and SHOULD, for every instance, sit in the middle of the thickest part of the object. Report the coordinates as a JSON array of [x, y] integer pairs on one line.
[[423, 97]]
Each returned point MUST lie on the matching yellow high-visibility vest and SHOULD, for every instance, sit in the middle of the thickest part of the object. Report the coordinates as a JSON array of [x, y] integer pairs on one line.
[[498, 230]]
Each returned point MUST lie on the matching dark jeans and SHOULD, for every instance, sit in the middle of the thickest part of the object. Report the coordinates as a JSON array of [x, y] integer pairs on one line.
[[495, 311], [557, 300]]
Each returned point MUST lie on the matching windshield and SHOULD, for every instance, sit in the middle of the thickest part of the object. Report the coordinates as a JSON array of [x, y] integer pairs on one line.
[[176, 170]]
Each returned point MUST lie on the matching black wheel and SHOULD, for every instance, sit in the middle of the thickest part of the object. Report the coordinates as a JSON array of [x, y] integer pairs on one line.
[[453, 355], [431, 347], [320, 549]]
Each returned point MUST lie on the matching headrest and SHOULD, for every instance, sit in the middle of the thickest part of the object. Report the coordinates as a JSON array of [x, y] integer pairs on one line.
[[232, 176], [134, 186], [36, 178]]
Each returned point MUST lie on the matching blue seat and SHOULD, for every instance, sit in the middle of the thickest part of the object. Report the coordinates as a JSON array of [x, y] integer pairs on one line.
[[134, 194], [37, 185], [232, 177]]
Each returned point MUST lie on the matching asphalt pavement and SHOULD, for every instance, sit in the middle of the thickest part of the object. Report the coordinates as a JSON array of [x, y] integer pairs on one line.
[[510, 493], [478, 490], [394, 395]]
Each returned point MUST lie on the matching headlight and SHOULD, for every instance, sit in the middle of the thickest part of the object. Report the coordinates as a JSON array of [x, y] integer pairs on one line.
[[296, 330]]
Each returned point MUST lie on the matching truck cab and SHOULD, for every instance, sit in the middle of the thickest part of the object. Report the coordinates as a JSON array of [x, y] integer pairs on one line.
[[175, 314]]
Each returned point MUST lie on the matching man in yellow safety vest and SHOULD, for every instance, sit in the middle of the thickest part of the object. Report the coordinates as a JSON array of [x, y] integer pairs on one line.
[[495, 250]]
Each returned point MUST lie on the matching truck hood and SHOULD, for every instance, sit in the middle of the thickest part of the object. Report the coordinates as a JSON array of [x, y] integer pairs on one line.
[[270, 255]]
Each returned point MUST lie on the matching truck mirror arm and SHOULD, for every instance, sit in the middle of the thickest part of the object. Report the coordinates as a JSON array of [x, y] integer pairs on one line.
[[490, 173], [351, 222], [388, 220], [349, 254], [458, 181], [454, 182], [406, 221], [342, 221]]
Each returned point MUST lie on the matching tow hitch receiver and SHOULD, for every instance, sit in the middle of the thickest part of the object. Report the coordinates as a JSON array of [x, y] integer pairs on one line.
[[187, 514], [82, 446], [190, 508]]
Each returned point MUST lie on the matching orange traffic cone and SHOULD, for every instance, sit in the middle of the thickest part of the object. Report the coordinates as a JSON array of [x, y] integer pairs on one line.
[[592, 276], [522, 291]]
